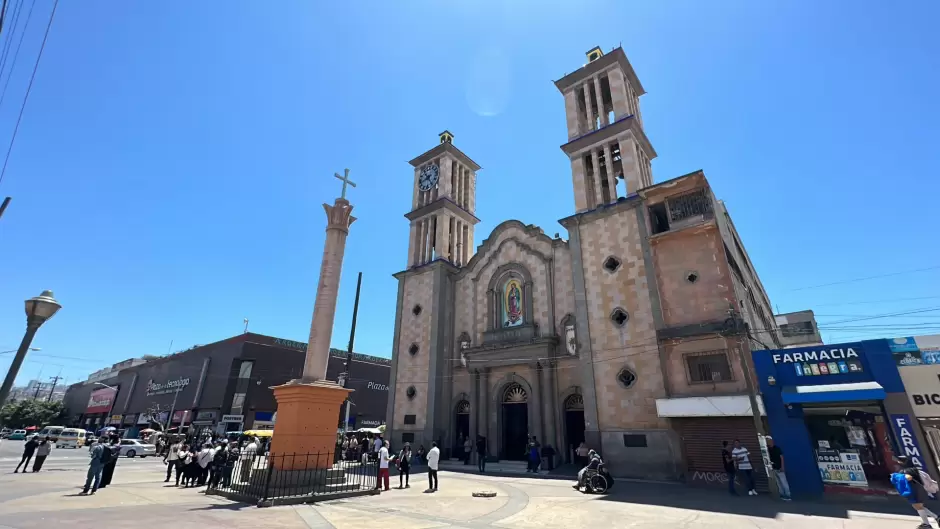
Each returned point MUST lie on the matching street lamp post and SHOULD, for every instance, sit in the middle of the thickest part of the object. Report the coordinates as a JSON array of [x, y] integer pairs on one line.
[[38, 310]]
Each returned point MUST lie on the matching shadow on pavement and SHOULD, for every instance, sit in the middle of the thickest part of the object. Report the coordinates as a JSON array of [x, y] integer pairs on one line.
[[761, 506], [234, 506]]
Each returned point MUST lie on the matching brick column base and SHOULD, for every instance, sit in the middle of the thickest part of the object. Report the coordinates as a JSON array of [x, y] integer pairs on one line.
[[306, 423]]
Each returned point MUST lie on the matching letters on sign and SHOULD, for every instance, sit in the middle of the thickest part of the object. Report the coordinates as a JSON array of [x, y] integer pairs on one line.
[[170, 386], [376, 386], [815, 356], [909, 445]]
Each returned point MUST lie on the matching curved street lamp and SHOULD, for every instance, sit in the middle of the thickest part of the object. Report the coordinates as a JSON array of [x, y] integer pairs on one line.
[[38, 310]]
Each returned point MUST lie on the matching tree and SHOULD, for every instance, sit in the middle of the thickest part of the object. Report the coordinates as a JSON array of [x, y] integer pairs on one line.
[[32, 412]]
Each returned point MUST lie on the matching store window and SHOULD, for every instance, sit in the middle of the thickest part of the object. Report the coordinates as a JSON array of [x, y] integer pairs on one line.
[[852, 444]]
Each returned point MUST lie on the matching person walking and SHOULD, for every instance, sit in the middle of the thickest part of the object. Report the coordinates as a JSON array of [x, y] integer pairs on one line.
[[742, 463], [95, 466], [171, 458], [383, 467], [404, 466], [108, 471], [905, 481], [42, 452], [467, 450], [481, 453], [434, 457], [28, 450], [777, 463]]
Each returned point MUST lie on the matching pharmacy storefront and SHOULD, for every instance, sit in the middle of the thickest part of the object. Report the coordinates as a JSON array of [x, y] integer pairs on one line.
[[839, 413], [918, 361]]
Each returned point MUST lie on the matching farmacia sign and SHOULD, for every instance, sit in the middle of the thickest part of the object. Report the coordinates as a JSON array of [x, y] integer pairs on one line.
[[822, 355]]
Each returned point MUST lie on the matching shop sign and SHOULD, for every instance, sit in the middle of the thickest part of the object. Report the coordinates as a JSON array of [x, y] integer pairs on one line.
[[817, 362], [922, 384], [909, 445], [376, 386], [180, 416], [144, 418], [370, 422], [915, 351], [203, 416], [233, 418], [291, 344], [841, 468], [170, 386], [130, 419], [100, 401], [115, 419]]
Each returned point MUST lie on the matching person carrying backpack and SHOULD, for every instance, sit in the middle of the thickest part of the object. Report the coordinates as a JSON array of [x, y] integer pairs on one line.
[[906, 481]]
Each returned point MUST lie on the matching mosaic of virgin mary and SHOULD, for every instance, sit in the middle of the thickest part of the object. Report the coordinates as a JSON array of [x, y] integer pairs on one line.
[[512, 303]]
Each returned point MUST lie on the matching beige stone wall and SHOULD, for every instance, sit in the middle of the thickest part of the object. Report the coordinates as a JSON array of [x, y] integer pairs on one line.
[[677, 370], [695, 249], [413, 370], [634, 345], [514, 245]]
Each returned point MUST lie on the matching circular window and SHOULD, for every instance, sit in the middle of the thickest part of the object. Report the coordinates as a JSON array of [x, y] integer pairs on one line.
[[413, 349], [626, 377], [619, 317], [416, 310], [691, 277], [411, 392], [611, 264]]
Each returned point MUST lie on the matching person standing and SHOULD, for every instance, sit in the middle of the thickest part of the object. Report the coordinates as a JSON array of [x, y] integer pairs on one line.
[[28, 450], [481, 453], [204, 459], [95, 466], [467, 450], [742, 463], [383, 467], [171, 458], [232, 454], [728, 462], [248, 459], [777, 463], [404, 466], [219, 458], [581, 454], [434, 457], [114, 454], [376, 446], [42, 452], [905, 481], [182, 459]]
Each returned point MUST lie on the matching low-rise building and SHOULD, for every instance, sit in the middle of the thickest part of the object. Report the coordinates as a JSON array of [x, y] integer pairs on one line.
[[798, 329]]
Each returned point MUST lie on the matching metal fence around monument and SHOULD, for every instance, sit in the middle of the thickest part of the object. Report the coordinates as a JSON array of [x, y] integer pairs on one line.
[[293, 478]]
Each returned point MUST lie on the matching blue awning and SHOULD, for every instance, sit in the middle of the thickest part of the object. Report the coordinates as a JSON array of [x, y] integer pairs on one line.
[[833, 393]]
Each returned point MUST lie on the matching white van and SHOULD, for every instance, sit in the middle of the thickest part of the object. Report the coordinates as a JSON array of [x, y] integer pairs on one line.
[[52, 432], [71, 438]]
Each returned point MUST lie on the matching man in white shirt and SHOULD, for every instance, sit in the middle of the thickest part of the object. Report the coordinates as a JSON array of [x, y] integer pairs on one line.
[[742, 463], [383, 467], [172, 461], [434, 457], [204, 459]]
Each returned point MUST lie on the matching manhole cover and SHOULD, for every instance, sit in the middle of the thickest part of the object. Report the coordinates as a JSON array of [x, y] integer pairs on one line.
[[484, 494]]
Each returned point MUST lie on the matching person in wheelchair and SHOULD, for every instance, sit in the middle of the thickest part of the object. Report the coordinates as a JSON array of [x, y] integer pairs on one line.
[[593, 466]]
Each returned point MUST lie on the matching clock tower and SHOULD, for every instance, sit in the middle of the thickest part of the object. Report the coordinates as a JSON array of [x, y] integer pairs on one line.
[[442, 205]]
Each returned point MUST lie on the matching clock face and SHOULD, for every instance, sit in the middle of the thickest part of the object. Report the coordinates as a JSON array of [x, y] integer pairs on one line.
[[428, 177]]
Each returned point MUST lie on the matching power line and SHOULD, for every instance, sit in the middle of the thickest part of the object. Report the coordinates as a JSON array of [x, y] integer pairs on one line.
[[16, 54], [29, 88], [937, 267]]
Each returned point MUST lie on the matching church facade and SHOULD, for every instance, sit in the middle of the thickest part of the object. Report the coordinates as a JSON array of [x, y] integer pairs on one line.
[[602, 338]]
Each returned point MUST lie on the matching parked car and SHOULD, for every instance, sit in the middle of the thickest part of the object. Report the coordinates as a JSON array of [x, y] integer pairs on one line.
[[52, 432], [17, 435], [5, 432], [135, 448]]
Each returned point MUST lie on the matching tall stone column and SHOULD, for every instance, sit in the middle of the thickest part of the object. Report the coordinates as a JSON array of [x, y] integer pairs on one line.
[[308, 407], [339, 218]]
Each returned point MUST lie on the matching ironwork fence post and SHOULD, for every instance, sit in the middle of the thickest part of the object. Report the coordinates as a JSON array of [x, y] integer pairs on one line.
[[267, 480]]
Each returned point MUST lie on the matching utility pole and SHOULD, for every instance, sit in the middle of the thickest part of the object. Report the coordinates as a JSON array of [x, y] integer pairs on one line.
[[349, 350], [3, 207], [55, 380]]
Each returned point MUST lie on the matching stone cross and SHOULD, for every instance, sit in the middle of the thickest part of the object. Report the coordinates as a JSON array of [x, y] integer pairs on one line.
[[346, 181]]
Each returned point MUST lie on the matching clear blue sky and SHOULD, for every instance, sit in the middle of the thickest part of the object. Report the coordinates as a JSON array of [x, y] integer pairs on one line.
[[169, 171]]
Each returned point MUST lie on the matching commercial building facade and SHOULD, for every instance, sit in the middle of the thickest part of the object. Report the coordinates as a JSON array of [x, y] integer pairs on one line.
[[224, 386], [918, 362], [840, 413]]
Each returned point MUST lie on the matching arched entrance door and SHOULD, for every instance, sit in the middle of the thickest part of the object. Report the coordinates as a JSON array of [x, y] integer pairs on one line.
[[574, 424], [461, 427], [515, 423]]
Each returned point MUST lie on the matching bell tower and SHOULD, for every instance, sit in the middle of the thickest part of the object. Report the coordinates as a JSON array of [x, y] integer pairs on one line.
[[606, 141], [442, 205]]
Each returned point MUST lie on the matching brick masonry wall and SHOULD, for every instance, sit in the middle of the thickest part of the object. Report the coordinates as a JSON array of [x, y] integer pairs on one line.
[[676, 255], [678, 376], [414, 370], [634, 345]]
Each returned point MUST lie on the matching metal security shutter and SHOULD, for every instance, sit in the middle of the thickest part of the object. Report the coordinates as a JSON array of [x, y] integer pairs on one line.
[[701, 444]]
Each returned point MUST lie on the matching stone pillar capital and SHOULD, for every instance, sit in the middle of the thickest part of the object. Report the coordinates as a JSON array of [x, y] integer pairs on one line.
[[339, 215]]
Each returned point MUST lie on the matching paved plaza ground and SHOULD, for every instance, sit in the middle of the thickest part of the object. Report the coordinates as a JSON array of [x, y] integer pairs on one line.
[[138, 497]]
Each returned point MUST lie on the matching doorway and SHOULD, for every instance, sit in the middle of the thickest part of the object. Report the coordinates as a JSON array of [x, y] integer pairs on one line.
[[515, 423], [461, 428], [574, 425]]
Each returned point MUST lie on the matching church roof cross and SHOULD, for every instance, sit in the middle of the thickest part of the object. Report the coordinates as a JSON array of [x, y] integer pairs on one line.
[[346, 181]]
